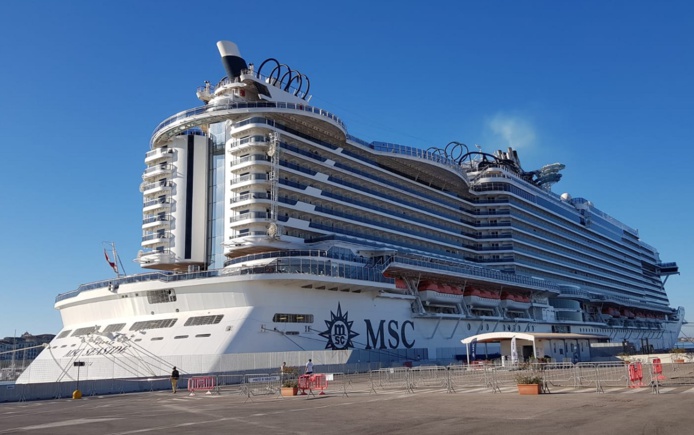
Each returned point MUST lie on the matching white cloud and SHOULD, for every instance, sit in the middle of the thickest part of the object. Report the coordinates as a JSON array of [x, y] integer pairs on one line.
[[512, 131]]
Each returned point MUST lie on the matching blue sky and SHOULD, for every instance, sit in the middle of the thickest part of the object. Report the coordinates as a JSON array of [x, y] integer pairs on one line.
[[603, 87]]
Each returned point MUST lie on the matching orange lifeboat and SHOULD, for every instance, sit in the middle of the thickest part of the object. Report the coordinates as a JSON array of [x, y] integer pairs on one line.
[[491, 295], [445, 288], [514, 301], [480, 297], [428, 285], [457, 290]]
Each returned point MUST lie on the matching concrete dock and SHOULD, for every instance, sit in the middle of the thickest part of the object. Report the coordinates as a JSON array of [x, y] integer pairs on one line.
[[435, 411]]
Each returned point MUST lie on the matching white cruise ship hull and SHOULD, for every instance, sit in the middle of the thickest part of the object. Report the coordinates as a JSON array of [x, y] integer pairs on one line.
[[360, 323]]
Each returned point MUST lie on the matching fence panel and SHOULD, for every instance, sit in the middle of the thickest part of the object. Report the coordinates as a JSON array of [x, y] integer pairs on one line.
[[428, 377], [391, 378]]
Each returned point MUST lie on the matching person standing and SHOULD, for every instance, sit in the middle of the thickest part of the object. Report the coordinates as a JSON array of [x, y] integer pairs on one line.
[[283, 371], [309, 367], [174, 379]]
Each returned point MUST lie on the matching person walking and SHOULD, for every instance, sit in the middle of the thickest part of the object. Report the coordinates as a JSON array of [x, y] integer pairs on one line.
[[174, 379], [309, 367]]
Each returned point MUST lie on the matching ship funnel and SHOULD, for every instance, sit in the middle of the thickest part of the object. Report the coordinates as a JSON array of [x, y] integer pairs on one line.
[[231, 59]]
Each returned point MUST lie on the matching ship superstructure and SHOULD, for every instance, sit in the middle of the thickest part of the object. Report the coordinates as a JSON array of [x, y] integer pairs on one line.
[[271, 231]]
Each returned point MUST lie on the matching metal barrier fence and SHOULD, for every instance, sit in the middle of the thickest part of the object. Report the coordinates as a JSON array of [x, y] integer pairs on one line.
[[201, 383], [597, 376], [360, 379]]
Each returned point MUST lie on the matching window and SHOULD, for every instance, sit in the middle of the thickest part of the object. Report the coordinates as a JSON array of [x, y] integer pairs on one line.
[[203, 320], [114, 327], [85, 331], [161, 296], [153, 324], [292, 318]]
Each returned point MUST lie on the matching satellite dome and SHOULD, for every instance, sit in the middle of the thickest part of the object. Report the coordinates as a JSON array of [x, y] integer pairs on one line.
[[565, 197]]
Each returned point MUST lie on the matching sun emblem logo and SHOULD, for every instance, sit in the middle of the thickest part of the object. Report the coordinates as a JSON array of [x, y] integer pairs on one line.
[[339, 333]]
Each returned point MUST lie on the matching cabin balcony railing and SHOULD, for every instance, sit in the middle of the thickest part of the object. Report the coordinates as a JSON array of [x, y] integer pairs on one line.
[[157, 170], [249, 215], [154, 239], [163, 153], [247, 178], [153, 219], [152, 188], [252, 140], [251, 158], [249, 196], [156, 204]]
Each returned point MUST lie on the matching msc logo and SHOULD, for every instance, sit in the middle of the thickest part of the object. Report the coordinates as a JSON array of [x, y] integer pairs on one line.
[[339, 333], [381, 334], [376, 337]]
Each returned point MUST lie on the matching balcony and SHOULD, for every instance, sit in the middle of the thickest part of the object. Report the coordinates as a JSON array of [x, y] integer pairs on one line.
[[234, 144], [244, 180], [158, 171], [254, 215], [151, 240], [159, 188], [149, 207], [156, 257], [153, 222], [158, 155], [263, 197]]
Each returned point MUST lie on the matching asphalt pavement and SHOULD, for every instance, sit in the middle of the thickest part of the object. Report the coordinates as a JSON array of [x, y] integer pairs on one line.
[[365, 411]]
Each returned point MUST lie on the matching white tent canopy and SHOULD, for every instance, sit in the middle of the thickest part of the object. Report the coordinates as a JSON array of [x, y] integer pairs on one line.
[[527, 336]]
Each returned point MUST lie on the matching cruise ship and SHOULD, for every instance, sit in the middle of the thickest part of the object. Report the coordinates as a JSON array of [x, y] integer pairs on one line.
[[271, 234]]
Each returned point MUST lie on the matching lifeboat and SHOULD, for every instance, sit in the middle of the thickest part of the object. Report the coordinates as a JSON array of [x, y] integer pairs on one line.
[[480, 298], [428, 285], [457, 290], [445, 288], [614, 312], [400, 283], [437, 292], [628, 314], [514, 301]]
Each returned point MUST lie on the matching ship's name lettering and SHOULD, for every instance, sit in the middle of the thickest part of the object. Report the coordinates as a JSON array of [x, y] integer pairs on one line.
[[112, 350], [397, 333]]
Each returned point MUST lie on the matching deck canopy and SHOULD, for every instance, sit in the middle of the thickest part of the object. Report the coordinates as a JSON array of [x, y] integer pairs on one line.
[[532, 337]]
